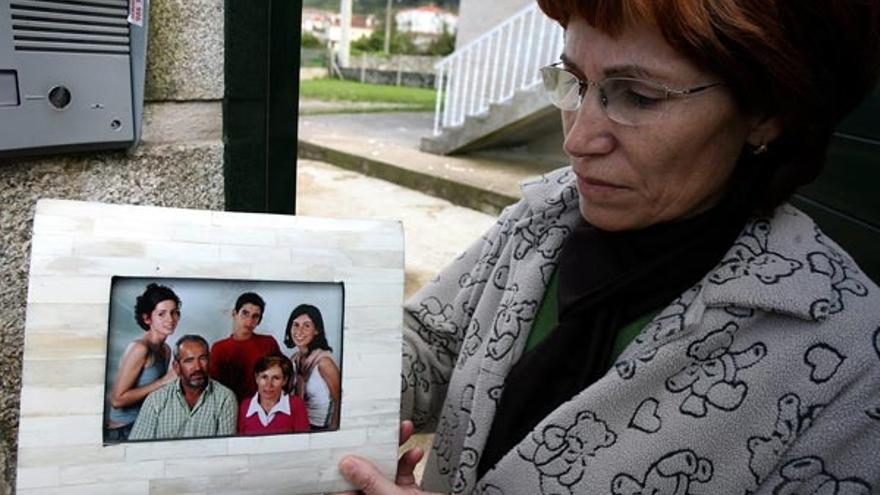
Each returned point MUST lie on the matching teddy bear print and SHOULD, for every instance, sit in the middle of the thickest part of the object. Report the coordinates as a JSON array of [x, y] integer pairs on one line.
[[791, 420], [443, 441], [512, 318], [712, 378], [480, 275], [438, 329], [662, 328], [468, 461], [414, 376], [559, 204], [548, 242], [841, 279], [561, 453], [807, 475], [670, 321], [673, 474], [471, 345], [751, 257], [437, 316]]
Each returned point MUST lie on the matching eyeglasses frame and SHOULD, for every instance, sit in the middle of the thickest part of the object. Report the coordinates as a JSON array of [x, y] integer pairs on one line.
[[584, 86]]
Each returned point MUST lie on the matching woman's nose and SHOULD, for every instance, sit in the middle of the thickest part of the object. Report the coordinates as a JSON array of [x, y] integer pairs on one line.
[[588, 131]]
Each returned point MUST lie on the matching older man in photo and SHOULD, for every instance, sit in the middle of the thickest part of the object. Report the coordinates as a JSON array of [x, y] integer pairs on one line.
[[194, 405]]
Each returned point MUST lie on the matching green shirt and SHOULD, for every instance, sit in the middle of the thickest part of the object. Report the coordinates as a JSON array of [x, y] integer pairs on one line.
[[547, 319], [165, 414]]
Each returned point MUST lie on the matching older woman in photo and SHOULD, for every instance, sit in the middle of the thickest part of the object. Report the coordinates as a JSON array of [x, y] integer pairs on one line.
[[271, 409], [144, 367], [318, 378], [655, 317]]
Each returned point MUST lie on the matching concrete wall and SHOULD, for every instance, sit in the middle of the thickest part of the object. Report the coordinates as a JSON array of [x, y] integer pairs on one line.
[[478, 16], [179, 163]]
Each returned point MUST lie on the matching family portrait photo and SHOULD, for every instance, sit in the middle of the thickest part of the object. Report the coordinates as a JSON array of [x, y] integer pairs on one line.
[[194, 358]]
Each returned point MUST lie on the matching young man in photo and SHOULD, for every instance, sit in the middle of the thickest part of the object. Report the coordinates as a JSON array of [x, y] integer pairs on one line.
[[233, 358], [191, 406]]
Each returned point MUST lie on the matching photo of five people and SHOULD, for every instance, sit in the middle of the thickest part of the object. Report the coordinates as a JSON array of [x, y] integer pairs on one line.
[[190, 358]]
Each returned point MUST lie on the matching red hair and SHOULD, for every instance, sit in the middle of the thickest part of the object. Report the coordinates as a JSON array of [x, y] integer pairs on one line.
[[808, 62]]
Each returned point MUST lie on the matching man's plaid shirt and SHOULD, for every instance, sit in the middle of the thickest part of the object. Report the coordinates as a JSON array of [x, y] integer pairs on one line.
[[165, 413]]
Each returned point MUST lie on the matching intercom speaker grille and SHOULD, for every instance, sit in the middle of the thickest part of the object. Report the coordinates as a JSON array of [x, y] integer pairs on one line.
[[76, 26]]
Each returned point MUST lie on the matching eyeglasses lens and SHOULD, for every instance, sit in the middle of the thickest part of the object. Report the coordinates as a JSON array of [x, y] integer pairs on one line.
[[562, 88]]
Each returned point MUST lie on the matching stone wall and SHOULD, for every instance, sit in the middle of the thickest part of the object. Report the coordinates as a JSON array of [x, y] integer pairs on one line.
[[179, 163], [403, 63], [389, 77]]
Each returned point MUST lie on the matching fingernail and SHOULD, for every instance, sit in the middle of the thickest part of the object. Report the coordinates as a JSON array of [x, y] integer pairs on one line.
[[348, 466]]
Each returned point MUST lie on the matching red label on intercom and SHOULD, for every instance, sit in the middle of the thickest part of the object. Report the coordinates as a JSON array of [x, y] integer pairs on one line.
[[136, 12]]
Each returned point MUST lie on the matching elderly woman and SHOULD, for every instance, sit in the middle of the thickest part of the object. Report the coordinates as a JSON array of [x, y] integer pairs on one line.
[[271, 409], [655, 318], [143, 367]]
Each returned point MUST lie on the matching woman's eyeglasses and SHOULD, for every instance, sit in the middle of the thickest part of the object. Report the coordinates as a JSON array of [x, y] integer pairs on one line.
[[625, 100]]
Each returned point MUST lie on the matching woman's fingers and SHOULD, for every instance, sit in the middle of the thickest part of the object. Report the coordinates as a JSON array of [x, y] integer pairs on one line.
[[406, 430], [406, 465], [369, 480]]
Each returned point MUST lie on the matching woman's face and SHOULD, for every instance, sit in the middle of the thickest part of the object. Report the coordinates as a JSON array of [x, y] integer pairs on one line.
[[303, 331], [271, 383], [634, 177], [164, 318]]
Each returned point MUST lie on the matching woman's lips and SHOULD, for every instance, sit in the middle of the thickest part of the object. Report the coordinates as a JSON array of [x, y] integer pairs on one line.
[[596, 188]]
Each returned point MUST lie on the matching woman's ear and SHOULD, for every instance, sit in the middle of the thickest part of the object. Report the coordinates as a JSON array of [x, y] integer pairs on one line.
[[145, 317], [764, 131]]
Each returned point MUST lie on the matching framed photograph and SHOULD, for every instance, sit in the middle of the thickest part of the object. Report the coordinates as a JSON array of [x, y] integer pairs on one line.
[[185, 351]]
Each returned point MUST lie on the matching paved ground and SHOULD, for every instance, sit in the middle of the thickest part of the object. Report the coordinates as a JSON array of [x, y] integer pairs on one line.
[[435, 230]]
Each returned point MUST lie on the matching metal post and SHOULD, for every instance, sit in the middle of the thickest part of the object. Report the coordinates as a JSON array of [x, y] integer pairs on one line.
[[345, 28], [388, 27]]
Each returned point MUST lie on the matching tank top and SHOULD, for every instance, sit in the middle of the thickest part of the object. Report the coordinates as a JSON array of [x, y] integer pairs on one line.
[[148, 374], [319, 404]]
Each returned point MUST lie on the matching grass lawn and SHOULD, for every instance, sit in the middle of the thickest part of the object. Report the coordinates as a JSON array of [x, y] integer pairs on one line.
[[339, 90]]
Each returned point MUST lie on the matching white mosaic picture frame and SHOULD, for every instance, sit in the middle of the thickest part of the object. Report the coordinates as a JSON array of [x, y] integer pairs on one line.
[[78, 247]]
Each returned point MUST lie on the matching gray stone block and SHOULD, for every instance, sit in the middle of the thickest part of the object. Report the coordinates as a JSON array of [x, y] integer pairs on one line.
[[185, 50]]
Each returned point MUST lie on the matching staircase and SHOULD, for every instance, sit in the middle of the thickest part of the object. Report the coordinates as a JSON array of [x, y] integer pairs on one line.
[[488, 91]]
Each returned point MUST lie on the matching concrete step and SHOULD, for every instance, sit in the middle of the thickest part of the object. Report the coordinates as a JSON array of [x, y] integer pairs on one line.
[[386, 146], [506, 124]]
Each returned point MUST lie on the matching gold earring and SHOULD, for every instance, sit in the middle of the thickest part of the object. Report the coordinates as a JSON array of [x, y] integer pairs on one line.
[[760, 149]]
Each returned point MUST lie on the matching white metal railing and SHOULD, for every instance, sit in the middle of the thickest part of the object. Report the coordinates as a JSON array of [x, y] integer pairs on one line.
[[491, 68]]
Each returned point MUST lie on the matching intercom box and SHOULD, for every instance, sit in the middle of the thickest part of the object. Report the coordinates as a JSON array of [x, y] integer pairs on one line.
[[71, 75]]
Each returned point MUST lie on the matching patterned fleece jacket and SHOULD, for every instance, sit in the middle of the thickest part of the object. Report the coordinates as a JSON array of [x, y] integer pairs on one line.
[[762, 378]]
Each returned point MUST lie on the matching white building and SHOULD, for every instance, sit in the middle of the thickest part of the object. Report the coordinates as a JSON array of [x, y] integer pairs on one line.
[[426, 22], [326, 25]]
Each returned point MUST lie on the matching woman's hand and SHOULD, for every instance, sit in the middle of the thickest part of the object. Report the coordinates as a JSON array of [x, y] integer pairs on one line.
[[370, 481], [169, 376]]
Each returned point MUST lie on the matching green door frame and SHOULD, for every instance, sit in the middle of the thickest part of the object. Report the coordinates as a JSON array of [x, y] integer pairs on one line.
[[260, 103]]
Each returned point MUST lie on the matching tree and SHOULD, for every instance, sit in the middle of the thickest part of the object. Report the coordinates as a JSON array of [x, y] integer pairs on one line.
[[444, 45], [309, 40], [401, 43]]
